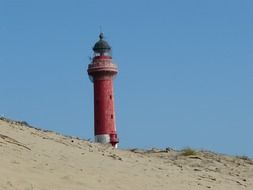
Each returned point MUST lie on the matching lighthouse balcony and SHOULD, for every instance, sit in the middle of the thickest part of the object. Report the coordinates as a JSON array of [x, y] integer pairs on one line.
[[102, 65]]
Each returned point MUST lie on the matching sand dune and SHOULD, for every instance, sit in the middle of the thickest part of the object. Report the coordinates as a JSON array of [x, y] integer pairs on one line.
[[32, 159]]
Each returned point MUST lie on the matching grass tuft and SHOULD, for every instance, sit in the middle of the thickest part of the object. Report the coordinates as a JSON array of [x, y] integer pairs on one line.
[[244, 158], [188, 152]]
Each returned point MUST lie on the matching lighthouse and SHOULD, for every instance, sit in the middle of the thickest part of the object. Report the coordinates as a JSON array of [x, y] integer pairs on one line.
[[102, 72]]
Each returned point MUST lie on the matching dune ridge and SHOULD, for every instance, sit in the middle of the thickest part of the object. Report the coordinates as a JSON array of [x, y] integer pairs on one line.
[[32, 158]]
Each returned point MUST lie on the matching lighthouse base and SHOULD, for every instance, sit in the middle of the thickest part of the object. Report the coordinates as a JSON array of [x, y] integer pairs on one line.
[[104, 139]]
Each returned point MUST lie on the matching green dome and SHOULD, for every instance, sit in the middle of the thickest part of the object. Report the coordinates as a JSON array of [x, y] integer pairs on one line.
[[101, 46]]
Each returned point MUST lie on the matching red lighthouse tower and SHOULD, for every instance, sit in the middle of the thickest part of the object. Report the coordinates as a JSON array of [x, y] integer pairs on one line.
[[102, 71]]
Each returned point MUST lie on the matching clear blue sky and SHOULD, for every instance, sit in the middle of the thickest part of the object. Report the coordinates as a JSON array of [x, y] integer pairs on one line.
[[186, 69]]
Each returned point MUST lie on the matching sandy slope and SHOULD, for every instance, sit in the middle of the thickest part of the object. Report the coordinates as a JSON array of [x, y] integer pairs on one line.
[[32, 159]]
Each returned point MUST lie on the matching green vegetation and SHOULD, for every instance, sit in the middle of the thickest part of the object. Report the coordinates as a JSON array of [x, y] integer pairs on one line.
[[244, 158], [188, 152]]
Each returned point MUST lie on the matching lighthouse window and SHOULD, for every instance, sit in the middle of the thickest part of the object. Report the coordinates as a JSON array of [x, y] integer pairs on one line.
[[112, 116], [110, 96]]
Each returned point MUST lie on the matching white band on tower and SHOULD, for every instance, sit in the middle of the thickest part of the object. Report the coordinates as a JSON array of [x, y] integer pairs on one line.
[[104, 139]]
